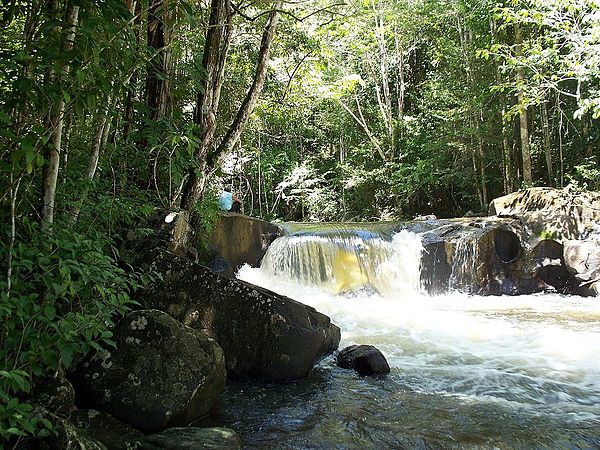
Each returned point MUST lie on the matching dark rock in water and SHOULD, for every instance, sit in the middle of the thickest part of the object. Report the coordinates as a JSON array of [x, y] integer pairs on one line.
[[193, 438], [435, 269], [365, 359], [112, 433], [264, 335], [56, 395], [161, 374]]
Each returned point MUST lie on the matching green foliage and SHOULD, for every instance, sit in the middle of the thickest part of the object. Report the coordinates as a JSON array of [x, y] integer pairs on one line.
[[587, 175], [548, 234], [65, 294], [208, 214]]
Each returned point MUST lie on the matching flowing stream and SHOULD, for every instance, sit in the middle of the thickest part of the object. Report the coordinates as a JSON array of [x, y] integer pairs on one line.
[[466, 371]]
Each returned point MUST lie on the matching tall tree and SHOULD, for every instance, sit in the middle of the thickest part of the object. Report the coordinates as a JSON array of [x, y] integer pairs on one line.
[[214, 58], [523, 117], [56, 116]]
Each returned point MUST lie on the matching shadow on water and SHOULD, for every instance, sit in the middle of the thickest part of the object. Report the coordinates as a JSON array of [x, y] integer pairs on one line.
[[335, 408]]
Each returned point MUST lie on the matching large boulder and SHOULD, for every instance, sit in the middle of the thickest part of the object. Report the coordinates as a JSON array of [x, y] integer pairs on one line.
[[160, 374], [560, 214], [263, 335]]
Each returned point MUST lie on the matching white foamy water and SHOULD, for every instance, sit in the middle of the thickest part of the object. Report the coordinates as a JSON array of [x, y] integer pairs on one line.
[[530, 351]]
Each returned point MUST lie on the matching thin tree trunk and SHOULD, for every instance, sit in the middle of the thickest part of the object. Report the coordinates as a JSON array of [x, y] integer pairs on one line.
[[361, 121], [14, 190], [386, 105], [67, 140], [235, 130], [560, 142], [55, 122], [159, 40], [159, 68], [547, 143], [523, 125], [102, 127]]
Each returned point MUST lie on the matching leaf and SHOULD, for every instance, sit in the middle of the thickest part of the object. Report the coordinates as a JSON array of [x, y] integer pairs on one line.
[[50, 312], [66, 355]]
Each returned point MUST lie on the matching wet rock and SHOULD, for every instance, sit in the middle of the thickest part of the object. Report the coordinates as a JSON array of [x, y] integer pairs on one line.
[[56, 395], [65, 435], [161, 374], [263, 335], [237, 240], [194, 438], [365, 359], [112, 433], [582, 259]]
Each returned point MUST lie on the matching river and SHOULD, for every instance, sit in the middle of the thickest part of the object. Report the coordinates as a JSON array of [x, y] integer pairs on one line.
[[466, 371]]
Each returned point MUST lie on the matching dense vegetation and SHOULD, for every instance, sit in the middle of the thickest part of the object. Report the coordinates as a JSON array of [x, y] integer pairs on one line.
[[315, 110]]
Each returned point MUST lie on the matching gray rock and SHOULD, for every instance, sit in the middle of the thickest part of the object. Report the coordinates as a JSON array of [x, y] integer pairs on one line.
[[582, 259], [561, 214], [365, 359], [194, 438], [56, 395], [161, 374], [112, 433], [65, 435], [263, 335]]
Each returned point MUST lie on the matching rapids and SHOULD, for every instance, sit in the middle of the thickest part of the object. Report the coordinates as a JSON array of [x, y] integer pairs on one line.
[[467, 371]]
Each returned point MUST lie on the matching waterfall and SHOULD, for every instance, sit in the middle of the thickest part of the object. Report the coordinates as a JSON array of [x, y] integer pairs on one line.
[[346, 260], [496, 366], [464, 264]]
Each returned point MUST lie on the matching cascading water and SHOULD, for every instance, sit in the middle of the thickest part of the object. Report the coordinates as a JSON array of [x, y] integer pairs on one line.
[[345, 261], [467, 371]]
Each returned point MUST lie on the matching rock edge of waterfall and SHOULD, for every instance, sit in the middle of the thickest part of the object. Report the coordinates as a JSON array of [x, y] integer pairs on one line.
[[535, 240]]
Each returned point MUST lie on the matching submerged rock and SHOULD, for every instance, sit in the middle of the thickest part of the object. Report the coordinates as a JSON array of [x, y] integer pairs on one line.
[[263, 335], [161, 374], [192, 438], [365, 359]]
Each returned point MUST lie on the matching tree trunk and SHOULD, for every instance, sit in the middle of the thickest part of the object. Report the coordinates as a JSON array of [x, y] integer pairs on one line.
[[159, 68], [523, 126], [207, 108], [216, 44], [159, 40], [547, 142], [102, 129], [55, 123], [260, 74]]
